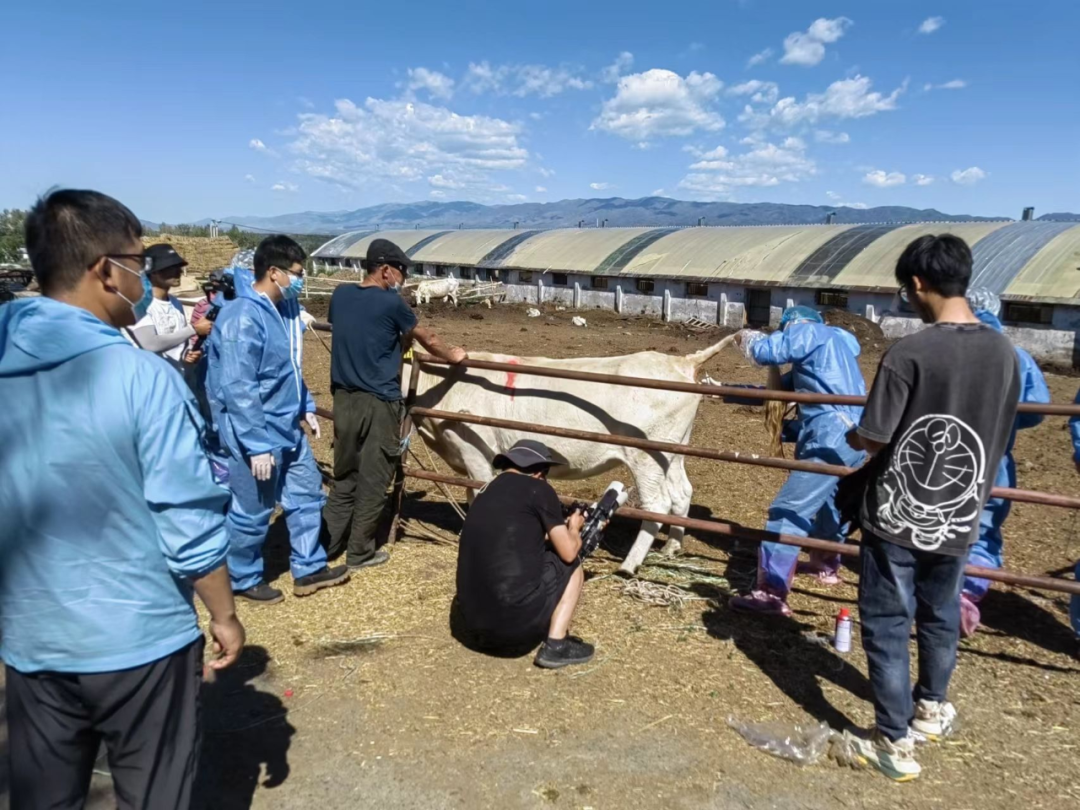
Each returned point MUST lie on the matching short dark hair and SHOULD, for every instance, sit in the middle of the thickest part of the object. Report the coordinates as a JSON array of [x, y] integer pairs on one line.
[[943, 262], [277, 251], [67, 230]]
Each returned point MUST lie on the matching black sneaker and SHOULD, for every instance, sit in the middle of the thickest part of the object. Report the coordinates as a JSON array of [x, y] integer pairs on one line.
[[263, 594], [378, 558], [328, 577], [563, 652]]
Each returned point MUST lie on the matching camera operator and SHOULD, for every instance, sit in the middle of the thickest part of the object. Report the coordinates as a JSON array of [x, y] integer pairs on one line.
[[518, 575]]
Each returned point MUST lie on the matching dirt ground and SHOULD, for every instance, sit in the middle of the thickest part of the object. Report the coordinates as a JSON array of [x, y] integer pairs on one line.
[[360, 697]]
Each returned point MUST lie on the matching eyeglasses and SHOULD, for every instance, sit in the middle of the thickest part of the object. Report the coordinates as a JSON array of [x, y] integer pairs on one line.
[[288, 272], [146, 263]]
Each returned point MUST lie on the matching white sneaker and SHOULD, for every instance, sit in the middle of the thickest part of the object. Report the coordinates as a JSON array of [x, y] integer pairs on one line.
[[894, 759], [933, 721]]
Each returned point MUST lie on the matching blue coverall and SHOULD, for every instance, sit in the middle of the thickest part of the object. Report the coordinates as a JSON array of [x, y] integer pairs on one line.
[[1074, 604], [987, 549], [259, 398], [823, 360]]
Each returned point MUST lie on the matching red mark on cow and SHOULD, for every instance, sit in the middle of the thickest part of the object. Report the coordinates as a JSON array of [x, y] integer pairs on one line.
[[511, 376]]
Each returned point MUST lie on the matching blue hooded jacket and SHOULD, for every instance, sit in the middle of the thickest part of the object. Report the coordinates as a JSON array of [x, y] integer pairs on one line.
[[254, 378], [823, 361], [108, 505]]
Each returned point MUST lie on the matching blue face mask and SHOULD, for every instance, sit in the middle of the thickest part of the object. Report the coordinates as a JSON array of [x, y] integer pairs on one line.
[[142, 306], [296, 286]]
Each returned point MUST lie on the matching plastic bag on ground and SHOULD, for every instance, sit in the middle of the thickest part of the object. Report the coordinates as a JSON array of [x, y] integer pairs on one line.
[[532, 312], [577, 320], [801, 743]]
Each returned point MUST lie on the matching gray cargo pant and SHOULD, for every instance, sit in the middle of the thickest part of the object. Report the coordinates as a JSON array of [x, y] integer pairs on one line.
[[367, 453]]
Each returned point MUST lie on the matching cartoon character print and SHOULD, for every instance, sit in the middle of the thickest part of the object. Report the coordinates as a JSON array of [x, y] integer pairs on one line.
[[934, 482]]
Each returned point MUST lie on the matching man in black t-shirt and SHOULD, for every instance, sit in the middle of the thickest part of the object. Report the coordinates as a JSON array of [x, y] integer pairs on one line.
[[371, 323], [518, 575], [937, 420]]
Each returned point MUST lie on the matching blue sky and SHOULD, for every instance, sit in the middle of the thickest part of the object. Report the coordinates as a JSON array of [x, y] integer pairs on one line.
[[190, 110]]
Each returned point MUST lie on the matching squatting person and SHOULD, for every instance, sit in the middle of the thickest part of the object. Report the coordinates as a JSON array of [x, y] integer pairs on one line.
[[518, 574], [371, 322], [937, 421], [259, 399], [111, 519], [824, 360]]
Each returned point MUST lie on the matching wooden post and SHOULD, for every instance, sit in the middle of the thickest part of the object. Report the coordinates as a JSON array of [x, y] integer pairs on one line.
[[398, 493]]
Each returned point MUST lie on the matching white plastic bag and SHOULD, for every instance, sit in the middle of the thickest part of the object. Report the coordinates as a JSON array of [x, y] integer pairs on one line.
[[577, 320]]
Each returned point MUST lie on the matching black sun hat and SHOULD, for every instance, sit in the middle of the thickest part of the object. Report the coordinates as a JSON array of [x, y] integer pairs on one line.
[[527, 453], [383, 251], [164, 257]]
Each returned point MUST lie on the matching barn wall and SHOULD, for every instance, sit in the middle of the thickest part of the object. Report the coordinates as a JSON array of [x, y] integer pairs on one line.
[[1057, 347]]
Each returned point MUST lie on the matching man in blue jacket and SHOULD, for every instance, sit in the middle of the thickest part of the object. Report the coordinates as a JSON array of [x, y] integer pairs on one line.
[[259, 398], [110, 520], [823, 361], [987, 551]]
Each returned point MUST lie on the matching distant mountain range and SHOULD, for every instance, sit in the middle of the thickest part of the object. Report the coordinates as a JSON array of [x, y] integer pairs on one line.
[[616, 211]]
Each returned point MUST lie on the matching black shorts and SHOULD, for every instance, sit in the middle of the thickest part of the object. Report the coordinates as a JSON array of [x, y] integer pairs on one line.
[[525, 632]]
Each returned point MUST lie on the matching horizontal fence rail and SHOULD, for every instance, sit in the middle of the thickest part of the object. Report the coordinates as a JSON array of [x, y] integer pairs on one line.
[[1018, 495], [760, 536]]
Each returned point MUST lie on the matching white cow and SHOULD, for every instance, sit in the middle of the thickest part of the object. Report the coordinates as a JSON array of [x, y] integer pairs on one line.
[[660, 478], [444, 288]]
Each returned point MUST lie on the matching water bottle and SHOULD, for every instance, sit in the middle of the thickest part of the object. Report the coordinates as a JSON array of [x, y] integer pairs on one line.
[[842, 639]]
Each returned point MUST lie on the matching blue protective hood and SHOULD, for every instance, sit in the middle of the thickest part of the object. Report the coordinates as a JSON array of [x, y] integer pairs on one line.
[[989, 319], [41, 333]]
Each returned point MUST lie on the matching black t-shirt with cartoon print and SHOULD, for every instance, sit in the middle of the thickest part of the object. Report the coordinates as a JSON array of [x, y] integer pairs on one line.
[[943, 403]]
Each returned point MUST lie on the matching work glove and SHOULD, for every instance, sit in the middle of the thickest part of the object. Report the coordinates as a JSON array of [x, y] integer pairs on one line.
[[262, 466], [306, 318], [313, 423], [745, 340]]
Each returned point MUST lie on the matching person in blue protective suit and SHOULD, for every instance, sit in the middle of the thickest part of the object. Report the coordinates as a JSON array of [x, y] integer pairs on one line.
[[110, 524], [987, 550], [1074, 603], [823, 361], [259, 399]]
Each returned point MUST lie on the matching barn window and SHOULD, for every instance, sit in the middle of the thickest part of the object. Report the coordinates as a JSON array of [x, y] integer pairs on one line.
[[599, 282], [559, 279], [831, 298], [645, 285], [1038, 314], [697, 289], [440, 271], [524, 276], [466, 273]]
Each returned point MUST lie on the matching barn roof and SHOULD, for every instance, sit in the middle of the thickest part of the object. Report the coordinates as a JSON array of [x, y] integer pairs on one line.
[[1025, 260]]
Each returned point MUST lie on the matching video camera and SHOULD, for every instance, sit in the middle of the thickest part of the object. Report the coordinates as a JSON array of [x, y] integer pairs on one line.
[[220, 282], [597, 516]]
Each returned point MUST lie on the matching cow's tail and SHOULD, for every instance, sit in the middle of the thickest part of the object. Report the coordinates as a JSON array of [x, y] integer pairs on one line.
[[698, 359]]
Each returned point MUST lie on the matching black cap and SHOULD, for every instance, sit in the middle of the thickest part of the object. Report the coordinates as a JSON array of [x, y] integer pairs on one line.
[[526, 453], [383, 251], [165, 257]]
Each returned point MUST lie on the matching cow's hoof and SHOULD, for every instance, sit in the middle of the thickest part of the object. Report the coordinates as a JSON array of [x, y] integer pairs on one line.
[[627, 570], [671, 548]]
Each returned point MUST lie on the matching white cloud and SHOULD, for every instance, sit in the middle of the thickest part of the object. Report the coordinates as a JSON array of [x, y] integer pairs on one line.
[[436, 84], [250, 178], [623, 62], [437, 194], [955, 84], [282, 185], [808, 47], [658, 192], [546, 172], [659, 103], [846, 98], [541, 190], [718, 173], [931, 24], [968, 177], [516, 197], [402, 141], [883, 179], [825, 136], [839, 200], [522, 80], [760, 92], [600, 186], [922, 179], [259, 146], [759, 58], [536, 116]]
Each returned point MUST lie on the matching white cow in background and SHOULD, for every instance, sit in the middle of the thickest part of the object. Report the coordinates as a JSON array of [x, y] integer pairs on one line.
[[662, 485], [444, 288]]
